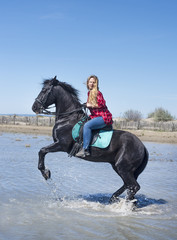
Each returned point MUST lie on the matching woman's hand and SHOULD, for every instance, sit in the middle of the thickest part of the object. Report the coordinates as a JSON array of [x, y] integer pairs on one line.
[[89, 105]]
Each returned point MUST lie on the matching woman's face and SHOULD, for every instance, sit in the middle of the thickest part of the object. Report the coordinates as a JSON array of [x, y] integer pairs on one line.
[[91, 83]]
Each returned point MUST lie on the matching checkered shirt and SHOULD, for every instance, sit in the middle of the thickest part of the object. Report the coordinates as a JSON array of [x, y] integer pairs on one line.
[[101, 110]]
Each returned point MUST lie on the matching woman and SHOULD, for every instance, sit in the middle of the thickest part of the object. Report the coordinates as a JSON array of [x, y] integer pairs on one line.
[[100, 115]]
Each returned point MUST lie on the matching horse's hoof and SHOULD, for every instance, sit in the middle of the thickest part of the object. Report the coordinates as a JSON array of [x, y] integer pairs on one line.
[[114, 199], [46, 174]]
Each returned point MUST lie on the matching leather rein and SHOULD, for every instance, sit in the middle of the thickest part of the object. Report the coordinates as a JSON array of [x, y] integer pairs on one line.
[[47, 112]]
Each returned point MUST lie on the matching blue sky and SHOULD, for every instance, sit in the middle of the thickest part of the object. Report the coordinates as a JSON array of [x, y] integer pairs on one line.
[[131, 45]]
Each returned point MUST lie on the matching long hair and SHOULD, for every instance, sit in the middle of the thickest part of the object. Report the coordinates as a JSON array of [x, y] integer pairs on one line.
[[94, 92]]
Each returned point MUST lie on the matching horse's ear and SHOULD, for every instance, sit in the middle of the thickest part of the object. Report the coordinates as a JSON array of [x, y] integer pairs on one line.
[[55, 81]]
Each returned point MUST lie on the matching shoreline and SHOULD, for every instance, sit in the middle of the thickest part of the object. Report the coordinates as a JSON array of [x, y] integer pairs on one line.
[[26, 129], [143, 135]]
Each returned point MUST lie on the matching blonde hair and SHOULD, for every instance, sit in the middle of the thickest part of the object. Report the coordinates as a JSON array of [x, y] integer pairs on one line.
[[94, 92]]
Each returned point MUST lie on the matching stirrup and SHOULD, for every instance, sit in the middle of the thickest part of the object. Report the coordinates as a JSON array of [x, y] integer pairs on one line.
[[82, 153]]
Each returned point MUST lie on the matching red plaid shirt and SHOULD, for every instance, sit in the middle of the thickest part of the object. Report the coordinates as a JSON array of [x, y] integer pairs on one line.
[[101, 110]]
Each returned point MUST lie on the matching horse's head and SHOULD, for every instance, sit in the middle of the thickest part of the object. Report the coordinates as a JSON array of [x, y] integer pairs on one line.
[[45, 97]]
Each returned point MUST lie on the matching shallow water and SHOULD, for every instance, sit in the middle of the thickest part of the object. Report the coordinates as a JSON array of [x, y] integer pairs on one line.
[[74, 204]]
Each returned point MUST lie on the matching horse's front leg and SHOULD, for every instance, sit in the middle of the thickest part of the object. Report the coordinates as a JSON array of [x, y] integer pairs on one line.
[[54, 147]]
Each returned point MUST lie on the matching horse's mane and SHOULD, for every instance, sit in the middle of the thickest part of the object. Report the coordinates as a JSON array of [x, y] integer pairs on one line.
[[67, 87]]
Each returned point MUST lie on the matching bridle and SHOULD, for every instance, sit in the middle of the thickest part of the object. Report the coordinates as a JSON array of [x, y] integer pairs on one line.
[[42, 102], [45, 110]]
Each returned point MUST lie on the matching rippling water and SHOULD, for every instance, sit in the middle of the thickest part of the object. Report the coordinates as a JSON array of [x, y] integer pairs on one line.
[[74, 204]]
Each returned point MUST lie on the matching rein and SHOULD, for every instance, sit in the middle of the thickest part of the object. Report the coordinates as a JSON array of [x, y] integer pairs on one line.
[[75, 110], [47, 112], [44, 110]]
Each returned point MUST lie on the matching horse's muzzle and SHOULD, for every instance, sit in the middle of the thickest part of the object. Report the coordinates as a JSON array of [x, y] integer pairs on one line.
[[36, 108]]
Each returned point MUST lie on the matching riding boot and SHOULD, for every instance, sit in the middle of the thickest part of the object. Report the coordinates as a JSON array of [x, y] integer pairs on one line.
[[82, 153]]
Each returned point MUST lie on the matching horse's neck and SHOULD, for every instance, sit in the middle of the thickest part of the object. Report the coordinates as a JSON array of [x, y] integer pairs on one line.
[[66, 108], [67, 105]]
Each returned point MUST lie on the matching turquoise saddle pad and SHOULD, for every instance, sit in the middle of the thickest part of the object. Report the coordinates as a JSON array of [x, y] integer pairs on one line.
[[103, 139]]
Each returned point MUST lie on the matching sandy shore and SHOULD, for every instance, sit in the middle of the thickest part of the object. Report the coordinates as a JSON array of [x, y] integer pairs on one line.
[[144, 135], [41, 130], [155, 136]]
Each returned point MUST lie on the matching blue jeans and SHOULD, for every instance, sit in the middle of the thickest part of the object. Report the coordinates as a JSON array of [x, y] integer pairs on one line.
[[92, 124]]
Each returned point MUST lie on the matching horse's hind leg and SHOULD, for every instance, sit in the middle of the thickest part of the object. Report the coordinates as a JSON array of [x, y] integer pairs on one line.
[[125, 171], [115, 196], [130, 184], [132, 187]]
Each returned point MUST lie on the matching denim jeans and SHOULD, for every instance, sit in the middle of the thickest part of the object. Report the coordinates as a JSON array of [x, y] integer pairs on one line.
[[92, 124]]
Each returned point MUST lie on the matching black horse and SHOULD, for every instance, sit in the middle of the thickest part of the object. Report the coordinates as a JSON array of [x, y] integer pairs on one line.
[[126, 153]]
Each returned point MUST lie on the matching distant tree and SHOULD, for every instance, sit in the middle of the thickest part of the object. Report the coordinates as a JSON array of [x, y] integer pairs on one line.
[[132, 115], [151, 115], [160, 114]]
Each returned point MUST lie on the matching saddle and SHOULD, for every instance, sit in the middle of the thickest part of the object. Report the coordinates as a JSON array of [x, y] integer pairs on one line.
[[100, 137]]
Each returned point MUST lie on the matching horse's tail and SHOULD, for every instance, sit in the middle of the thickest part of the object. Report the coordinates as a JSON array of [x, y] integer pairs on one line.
[[143, 164]]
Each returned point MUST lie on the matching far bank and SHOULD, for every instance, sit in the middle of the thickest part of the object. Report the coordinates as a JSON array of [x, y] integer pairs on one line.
[[143, 135]]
